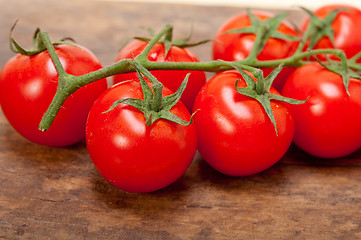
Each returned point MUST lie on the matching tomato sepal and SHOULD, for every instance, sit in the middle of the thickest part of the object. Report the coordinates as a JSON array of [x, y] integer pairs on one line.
[[342, 68], [263, 29], [38, 44], [259, 90], [153, 105], [168, 40], [319, 28]]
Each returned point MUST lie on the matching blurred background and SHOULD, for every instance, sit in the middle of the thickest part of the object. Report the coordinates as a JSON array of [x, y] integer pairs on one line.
[[274, 4], [104, 25]]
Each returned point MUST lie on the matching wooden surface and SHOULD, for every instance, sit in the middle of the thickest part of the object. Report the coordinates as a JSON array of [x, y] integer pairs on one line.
[[56, 193]]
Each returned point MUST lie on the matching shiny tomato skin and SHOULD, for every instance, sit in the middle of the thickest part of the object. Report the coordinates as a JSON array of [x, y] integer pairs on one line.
[[346, 27], [130, 155], [28, 84], [328, 124], [235, 136], [172, 79], [234, 47]]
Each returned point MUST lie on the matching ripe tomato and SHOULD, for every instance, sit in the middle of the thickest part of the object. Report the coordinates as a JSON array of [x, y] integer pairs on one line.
[[235, 135], [328, 124], [172, 79], [236, 46], [131, 155], [346, 27], [28, 84]]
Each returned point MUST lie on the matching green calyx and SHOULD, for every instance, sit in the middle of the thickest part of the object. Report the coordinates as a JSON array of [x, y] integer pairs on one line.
[[259, 90], [353, 64], [264, 29], [345, 68], [154, 105], [319, 28], [38, 44], [168, 40]]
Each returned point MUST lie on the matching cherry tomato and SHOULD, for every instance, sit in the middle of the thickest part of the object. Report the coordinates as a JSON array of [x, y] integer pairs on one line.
[[235, 135], [236, 46], [346, 29], [172, 79], [328, 124], [28, 84], [131, 155]]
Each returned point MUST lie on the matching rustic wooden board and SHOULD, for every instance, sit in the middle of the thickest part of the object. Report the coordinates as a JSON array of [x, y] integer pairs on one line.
[[56, 193]]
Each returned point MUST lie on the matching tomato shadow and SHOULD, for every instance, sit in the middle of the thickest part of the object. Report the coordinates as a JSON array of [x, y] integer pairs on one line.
[[199, 180], [297, 156], [149, 205], [23, 150], [263, 181]]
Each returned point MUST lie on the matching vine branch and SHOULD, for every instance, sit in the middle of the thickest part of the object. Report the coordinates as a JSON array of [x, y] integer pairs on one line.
[[68, 84]]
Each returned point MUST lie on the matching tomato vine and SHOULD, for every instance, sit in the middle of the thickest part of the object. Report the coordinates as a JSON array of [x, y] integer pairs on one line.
[[265, 29], [271, 87]]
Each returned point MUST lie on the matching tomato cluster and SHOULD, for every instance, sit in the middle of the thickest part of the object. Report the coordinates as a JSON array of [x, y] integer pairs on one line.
[[238, 129]]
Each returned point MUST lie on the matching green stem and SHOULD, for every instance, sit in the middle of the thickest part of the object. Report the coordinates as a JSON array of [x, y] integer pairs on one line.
[[260, 87], [44, 36], [354, 58], [63, 90], [143, 55], [122, 66], [53, 109], [261, 31], [68, 84], [303, 41], [158, 98]]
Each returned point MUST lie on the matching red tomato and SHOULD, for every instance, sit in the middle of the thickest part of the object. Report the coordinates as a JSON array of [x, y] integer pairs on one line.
[[28, 84], [235, 135], [346, 27], [172, 79], [131, 155], [236, 46], [328, 124]]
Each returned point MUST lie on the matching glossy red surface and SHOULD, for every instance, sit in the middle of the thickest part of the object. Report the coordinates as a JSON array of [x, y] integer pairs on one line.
[[130, 155], [327, 125], [235, 135], [28, 85]]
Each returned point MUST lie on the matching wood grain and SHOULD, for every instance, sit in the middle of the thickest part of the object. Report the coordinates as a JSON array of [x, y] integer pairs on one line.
[[56, 193]]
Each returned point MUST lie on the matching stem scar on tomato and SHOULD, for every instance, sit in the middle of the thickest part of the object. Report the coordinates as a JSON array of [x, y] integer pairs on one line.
[[154, 105]]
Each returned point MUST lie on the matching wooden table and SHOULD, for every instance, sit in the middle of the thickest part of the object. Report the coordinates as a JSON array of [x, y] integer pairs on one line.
[[56, 193]]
